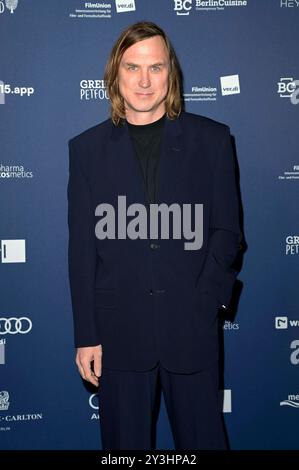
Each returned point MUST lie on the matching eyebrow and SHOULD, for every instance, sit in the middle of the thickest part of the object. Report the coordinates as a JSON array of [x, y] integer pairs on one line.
[[152, 65]]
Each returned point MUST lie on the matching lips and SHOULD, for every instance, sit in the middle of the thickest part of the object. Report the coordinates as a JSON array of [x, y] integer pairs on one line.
[[144, 94]]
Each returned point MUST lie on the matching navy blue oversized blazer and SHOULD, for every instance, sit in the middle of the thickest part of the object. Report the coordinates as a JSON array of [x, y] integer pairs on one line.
[[142, 304]]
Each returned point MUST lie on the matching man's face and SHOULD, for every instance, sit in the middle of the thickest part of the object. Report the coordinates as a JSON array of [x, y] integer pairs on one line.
[[143, 78]]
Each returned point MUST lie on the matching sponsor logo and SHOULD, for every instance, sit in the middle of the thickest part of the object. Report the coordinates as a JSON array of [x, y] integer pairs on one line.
[[94, 401], [11, 5], [292, 401], [122, 6], [230, 326], [4, 400], [13, 251], [288, 87], [2, 94], [201, 93], [14, 171], [22, 417], [15, 325], [93, 90], [94, 10], [289, 3], [7, 89], [290, 175], [182, 7], [2, 351], [218, 5], [227, 401], [292, 245], [4, 405], [281, 323], [94, 404], [230, 85]]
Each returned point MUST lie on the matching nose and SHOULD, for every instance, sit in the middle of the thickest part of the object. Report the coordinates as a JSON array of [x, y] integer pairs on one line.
[[144, 80]]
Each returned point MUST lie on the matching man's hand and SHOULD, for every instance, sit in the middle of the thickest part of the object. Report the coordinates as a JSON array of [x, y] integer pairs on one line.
[[84, 357]]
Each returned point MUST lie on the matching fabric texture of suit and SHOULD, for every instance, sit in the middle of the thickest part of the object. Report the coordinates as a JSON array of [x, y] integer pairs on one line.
[[149, 301]]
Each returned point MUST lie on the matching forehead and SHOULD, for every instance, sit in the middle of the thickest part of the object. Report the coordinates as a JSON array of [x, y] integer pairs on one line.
[[153, 49]]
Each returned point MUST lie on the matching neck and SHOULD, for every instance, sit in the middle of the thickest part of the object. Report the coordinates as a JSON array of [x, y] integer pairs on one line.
[[140, 118]]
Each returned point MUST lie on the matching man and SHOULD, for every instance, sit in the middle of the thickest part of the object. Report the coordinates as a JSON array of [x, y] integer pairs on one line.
[[145, 307]]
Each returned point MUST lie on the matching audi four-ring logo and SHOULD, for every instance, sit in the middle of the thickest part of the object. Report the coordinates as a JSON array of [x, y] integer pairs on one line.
[[15, 325]]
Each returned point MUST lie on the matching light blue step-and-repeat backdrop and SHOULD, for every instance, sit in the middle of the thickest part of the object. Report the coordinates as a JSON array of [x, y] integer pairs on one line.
[[240, 65]]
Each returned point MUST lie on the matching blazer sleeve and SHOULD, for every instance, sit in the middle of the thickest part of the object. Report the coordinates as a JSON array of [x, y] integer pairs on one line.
[[218, 277], [82, 255]]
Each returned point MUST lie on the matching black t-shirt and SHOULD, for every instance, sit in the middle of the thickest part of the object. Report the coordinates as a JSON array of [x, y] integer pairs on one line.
[[147, 142]]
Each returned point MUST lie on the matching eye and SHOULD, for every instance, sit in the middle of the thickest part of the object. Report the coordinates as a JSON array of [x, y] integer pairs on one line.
[[132, 67], [156, 68]]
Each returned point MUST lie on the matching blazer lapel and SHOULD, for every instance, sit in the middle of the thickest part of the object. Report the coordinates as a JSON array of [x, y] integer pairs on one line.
[[171, 159], [128, 178]]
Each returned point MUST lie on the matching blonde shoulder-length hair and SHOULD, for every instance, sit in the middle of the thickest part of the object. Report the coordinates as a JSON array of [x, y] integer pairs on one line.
[[135, 33]]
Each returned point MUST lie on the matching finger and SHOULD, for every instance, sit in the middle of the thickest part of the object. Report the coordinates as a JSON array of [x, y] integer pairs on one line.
[[97, 365], [89, 375], [81, 372], [93, 379], [80, 368]]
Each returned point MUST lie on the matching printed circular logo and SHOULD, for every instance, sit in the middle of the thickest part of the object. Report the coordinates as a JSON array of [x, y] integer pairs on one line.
[[15, 325]]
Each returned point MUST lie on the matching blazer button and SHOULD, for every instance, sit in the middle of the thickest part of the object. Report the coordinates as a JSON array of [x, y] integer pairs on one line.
[[154, 246], [151, 291]]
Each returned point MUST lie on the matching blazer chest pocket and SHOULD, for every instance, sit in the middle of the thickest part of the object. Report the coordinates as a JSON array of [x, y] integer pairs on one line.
[[105, 298]]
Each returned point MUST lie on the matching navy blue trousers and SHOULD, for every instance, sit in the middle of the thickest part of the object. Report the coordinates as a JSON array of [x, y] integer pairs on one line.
[[127, 401]]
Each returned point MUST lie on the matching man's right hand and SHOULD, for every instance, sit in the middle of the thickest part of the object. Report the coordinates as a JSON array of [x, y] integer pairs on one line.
[[84, 357]]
